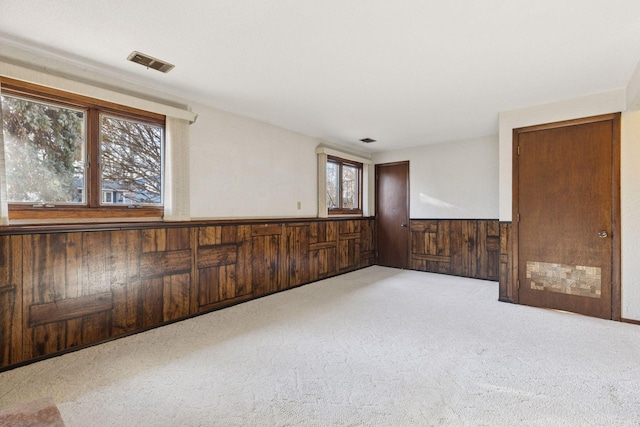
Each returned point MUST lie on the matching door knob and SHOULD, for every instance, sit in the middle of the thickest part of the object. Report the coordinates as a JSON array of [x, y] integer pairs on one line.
[[403, 225], [602, 234]]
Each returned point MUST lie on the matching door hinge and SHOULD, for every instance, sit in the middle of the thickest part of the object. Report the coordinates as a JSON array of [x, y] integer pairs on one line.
[[518, 150], [518, 284], [518, 217]]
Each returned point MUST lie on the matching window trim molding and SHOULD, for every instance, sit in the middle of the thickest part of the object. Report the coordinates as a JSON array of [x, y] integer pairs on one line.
[[342, 155], [54, 82]]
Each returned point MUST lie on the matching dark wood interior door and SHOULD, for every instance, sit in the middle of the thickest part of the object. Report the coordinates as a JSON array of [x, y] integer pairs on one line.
[[565, 209], [392, 214]]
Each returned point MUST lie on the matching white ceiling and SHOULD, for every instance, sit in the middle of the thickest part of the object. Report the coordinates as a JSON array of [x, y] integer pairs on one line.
[[405, 72]]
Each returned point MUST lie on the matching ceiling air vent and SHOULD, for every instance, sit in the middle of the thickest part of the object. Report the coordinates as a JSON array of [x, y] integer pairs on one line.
[[150, 62], [368, 140]]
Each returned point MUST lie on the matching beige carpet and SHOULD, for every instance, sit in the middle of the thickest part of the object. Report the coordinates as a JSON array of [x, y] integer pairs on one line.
[[377, 347]]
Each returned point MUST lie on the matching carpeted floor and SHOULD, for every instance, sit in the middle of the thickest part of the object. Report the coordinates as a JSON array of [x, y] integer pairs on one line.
[[376, 347]]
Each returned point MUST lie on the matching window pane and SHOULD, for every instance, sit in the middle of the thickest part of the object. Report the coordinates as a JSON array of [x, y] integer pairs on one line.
[[131, 161], [44, 151], [333, 189], [349, 187]]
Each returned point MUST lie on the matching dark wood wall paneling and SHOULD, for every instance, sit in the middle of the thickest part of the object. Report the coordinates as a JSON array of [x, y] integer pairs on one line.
[[64, 290], [469, 248], [10, 300], [506, 292]]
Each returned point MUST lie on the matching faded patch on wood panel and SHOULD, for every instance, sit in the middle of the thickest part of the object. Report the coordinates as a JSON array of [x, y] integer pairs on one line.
[[565, 279]]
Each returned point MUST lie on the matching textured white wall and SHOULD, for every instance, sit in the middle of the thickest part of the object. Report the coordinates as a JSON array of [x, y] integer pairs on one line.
[[451, 180], [633, 90], [630, 183], [242, 168]]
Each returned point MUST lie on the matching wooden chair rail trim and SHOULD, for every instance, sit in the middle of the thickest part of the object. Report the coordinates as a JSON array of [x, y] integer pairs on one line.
[[12, 229]]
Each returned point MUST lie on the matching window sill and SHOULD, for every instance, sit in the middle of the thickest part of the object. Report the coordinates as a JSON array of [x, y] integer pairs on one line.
[[30, 219], [31, 226], [345, 214], [71, 221], [73, 214]]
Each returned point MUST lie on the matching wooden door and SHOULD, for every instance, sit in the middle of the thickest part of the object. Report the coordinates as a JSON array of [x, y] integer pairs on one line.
[[566, 210], [392, 214]]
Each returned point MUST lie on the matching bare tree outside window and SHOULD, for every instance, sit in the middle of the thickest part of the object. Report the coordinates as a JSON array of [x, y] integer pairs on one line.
[[343, 186], [350, 188], [131, 160], [333, 185]]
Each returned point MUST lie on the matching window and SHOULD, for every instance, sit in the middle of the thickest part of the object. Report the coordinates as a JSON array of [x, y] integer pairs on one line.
[[344, 186], [44, 149], [131, 160], [68, 156]]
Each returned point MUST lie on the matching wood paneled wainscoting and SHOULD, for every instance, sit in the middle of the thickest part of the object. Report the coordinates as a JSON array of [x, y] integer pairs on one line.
[[506, 292], [66, 288], [469, 248]]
